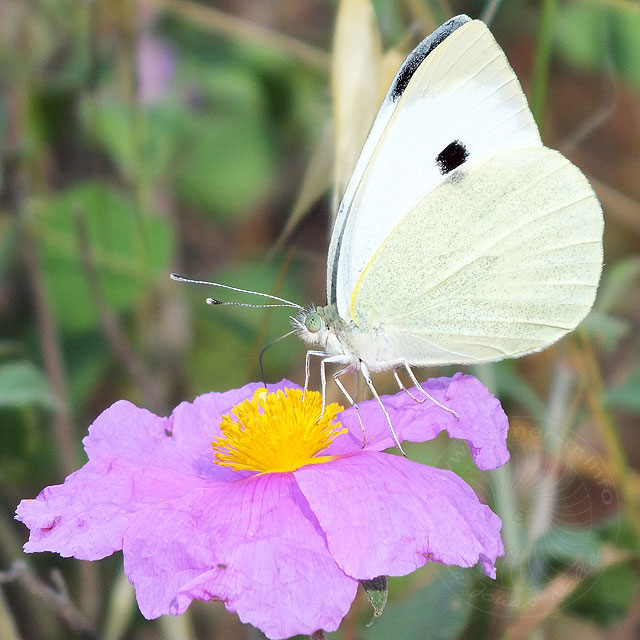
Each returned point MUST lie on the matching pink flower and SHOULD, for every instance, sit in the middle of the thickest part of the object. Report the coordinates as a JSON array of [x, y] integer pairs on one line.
[[298, 515]]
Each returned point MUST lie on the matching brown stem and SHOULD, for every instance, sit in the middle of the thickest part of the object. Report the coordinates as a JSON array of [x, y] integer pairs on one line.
[[52, 357], [56, 599], [28, 179]]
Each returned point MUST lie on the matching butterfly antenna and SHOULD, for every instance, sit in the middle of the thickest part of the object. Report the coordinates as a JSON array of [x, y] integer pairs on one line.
[[260, 359], [214, 301]]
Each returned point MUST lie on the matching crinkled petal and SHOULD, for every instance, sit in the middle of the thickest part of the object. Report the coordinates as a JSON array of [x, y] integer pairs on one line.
[[253, 544], [127, 433], [482, 424], [85, 517], [386, 515]]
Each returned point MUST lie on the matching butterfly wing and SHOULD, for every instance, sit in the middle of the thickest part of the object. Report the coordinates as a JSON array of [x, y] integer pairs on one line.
[[455, 100], [499, 260]]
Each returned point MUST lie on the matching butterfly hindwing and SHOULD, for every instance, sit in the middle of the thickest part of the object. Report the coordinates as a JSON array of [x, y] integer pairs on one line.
[[499, 260]]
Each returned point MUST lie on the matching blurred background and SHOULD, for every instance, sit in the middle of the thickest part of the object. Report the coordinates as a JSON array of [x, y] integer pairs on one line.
[[213, 138]]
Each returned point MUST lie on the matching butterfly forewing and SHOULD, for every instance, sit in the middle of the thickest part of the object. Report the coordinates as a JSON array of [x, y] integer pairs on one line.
[[459, 104]]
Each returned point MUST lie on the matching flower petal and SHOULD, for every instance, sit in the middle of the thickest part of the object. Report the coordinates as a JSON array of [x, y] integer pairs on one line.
[[482, 424], [196, 422], [386, 515], [85, 517], [250, 544], [126, 433]]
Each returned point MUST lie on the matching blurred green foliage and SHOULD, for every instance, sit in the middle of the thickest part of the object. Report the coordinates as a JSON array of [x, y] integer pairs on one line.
[[593, 34], [127, 252], [136, 141], [22, 384], [440, 610]]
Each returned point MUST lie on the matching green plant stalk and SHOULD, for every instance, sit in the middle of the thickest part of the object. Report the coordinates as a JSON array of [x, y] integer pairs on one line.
[[177, 627], [505, 504], [502, 489], [428, 18], [127, 70], [207, 17], [542, 61], [559, 415], [609, 435], [8, 628]]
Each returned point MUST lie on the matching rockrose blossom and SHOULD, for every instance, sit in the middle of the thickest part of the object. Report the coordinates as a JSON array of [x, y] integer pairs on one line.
[[287, 511]]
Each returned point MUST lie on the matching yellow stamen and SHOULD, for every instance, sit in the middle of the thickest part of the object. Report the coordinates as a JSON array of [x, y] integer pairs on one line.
[[277, 432]]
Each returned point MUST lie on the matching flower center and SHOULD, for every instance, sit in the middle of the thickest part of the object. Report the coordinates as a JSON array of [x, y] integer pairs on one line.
[[277, 432]]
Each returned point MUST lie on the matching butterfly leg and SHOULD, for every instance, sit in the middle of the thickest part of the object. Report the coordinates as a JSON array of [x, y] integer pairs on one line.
[[428, 395], [367, 379], [403, 388], [353, 403], [320, 354], [323, 374]]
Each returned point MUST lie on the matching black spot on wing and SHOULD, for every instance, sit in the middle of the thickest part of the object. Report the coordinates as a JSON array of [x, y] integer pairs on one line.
[[417, 56], [451, 157]]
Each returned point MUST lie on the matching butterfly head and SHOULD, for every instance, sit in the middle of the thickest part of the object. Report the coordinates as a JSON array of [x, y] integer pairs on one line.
[[322, 326], [309, 324]]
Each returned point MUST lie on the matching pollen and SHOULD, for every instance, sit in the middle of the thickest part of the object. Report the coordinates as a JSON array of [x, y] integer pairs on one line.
[[277, 432]]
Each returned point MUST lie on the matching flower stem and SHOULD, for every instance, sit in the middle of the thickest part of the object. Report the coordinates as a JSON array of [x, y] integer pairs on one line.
[[543, 59]]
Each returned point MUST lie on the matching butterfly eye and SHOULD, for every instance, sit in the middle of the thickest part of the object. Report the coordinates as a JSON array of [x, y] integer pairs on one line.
[[313, 322]]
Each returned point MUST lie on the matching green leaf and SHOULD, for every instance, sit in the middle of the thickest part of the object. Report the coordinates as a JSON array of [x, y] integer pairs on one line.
[[514, 387], [377, 591], [87, 355], [22, 384], [588, 33], [439, 611], [159, 129], [226, 163], [627, 395], [606, 329], [606, 596], [227, 154], [564, 546], [616, 283], [127, 252]]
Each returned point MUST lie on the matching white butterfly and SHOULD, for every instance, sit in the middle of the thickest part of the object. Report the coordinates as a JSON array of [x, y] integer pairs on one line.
[[460, 238]]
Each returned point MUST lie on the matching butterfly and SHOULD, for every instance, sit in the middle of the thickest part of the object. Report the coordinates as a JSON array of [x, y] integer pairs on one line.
[[460, 237]]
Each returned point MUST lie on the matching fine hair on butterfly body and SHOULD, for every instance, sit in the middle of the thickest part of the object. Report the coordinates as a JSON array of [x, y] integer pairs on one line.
[[460, 237]]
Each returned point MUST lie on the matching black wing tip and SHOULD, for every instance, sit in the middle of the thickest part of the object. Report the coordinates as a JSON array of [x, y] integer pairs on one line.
[[418, 55]]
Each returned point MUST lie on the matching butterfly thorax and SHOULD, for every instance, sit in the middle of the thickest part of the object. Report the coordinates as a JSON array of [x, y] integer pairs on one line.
[[325, 328]]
